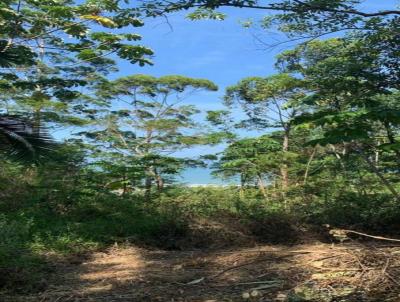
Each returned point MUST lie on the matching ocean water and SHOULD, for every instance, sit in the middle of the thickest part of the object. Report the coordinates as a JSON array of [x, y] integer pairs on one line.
[[202, 176]]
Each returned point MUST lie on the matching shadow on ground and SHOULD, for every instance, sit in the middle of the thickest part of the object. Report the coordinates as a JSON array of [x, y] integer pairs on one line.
[[223, 260], [307, 272]]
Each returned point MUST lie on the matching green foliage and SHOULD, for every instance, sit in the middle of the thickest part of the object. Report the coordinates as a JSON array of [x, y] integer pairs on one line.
[[150, 123], [297, 19], [250, 159], [12, 56], [333, 157], [52, 51], [25, 22], [22, 140], [206, 13]]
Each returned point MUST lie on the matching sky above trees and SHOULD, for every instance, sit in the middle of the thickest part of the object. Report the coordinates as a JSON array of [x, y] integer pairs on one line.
[[221, 51]]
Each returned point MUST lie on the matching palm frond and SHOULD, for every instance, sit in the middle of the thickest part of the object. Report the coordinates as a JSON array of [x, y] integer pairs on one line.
[[22, 140]]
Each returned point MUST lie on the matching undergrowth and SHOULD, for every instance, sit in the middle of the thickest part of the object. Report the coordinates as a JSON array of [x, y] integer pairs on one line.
[[36, 230]]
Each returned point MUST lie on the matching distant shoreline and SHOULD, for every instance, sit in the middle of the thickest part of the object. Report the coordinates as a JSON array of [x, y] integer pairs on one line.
[[209, 185], [202, 177]]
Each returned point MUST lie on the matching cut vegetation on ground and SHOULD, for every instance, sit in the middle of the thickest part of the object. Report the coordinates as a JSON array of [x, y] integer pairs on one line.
[[314, 271], [92, 205]]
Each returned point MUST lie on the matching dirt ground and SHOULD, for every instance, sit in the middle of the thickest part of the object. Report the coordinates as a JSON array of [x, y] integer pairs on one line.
[[312, 271]]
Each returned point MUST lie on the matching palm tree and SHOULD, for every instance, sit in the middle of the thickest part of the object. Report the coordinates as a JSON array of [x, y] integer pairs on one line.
[[22, 140]]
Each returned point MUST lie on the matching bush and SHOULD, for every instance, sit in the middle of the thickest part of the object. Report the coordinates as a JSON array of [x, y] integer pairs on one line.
[[20, 266]]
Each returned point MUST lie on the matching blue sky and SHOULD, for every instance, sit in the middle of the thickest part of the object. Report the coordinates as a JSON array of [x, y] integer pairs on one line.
[[221, 51]]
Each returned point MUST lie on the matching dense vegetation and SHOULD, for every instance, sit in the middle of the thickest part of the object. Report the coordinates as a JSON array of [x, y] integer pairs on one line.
[[329, 152]]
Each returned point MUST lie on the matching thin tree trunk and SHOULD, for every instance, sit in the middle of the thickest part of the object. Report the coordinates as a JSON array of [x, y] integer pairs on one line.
[[285, 146], [241, 191], [341, 162], [159, 181], [38, 110], [125, 187], [261, 186], [390, 136], [308, 165], [147, 185], [381, 177], [284, 167], [149, 172]]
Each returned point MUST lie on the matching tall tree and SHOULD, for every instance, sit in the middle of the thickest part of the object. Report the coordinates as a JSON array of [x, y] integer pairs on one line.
[[269, 102], [32, 28], [353, 97], [50, 50], [150, 123], [252, 159]]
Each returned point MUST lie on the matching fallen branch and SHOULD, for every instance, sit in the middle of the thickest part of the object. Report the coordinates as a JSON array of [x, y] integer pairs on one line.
[[253, 262], [392, 279], [371, 236], [260, 282], [196, 281], [266, 286]]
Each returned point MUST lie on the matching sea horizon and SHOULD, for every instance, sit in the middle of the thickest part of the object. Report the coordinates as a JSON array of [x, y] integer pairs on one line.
[[200, 177]]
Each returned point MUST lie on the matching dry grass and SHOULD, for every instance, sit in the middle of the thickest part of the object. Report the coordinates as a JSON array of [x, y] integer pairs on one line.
[[352, 271]]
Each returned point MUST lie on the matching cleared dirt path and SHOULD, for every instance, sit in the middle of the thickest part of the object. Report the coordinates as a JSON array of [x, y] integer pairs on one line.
[[317, 272]]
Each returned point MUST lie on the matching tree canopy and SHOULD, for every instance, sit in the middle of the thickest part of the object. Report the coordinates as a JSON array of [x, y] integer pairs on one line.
[[316, 142]]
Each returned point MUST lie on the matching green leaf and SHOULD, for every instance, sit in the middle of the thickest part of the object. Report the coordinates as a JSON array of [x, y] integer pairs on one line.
[[390, 147], [106, 22]]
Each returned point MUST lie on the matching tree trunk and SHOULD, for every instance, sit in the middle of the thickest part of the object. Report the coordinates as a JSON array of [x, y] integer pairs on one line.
[[149, 170], [378, 173], [284, 167], [159, 181], [147, 185], [241, 190], [125, 187], [261, 186], [390, 136], [308, 165]]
